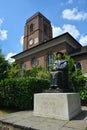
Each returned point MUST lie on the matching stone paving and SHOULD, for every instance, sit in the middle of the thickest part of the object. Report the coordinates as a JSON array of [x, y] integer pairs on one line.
[[26, 120]]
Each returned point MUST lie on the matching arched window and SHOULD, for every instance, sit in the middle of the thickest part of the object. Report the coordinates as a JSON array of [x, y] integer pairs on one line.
[[45, 29], [78, 65], [31, 27], [23, 67], [34, 62], [50, 58]]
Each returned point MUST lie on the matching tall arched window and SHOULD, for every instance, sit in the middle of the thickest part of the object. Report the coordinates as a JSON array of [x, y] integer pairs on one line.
[[45, 29], [23, 67], [49, 60], [31, 27], [34, 62]]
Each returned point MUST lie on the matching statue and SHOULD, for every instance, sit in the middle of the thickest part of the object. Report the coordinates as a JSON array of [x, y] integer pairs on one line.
[[59, 73]]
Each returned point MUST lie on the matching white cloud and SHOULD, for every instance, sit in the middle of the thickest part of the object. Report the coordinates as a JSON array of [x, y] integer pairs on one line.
[[8, 57], [3, 34], [70, 1], [74, 14], [22, 40], [1, 21], [56, 31], [66, 28], [71, 29], [83, 40]]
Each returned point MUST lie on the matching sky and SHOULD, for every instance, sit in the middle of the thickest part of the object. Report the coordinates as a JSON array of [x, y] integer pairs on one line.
[[65, 16]]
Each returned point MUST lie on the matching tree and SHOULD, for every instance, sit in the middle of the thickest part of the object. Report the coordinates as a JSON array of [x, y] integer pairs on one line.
[[39, 72], [4, 66], [14, 70], [76, 79]]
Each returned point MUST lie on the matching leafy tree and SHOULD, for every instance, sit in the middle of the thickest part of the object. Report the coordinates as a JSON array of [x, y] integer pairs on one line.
[[4, 66], [14, 70], [39, 72], [76, 79]]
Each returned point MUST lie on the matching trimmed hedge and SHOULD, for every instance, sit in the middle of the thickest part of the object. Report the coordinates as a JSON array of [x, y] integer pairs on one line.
[[18, 93]]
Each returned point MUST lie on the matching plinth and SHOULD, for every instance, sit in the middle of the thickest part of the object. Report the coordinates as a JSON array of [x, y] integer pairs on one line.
[[62, 106], [57, 90]]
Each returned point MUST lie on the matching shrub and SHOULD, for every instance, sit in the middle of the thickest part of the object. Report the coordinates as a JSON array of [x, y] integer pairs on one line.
[[19, 93], [37, 72], [83, 94], [76, 79]]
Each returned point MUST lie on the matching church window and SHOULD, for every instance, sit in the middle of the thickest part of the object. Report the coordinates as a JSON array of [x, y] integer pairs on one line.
[[23, 67], [45, 28], [31, 27], [49, 60], [34, 62]]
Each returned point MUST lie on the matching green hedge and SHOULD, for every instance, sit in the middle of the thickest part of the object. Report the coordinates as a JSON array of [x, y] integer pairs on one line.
[[19, 93], [83, 94]]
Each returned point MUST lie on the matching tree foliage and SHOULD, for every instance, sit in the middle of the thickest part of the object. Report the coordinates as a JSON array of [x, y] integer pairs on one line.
[[37, 72], [76, 79], [14, 70], [4, 66]]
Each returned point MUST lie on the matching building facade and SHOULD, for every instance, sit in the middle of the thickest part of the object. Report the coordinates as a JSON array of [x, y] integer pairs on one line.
[[40, 48]]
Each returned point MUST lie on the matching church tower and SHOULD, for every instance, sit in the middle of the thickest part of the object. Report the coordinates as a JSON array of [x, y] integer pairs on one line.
[[37, 30]]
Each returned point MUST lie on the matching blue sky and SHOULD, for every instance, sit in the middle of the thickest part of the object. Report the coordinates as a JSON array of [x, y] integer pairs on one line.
[[65, 16]]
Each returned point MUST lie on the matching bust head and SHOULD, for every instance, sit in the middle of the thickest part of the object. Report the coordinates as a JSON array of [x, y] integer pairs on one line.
[[59, 55]]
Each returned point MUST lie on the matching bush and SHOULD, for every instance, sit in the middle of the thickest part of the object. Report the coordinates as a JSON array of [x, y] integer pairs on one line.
[[19, 93], [37, 72], [76, 79], [83, 94]]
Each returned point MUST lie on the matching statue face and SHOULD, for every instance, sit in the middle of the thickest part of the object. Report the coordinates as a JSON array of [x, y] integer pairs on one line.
[[59, 56]]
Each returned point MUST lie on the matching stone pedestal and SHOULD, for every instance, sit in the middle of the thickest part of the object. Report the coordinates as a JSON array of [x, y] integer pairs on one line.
[[53, 90], [62, 106]]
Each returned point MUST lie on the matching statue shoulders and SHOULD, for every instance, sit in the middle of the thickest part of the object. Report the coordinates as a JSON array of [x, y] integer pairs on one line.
[[63, 60]]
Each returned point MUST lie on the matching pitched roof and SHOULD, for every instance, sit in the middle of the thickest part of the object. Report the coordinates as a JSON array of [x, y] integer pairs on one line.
[[66, 37], [79, 51]]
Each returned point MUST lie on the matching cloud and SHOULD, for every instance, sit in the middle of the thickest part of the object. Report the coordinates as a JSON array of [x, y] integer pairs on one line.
[[71, 29], [1, 21], [83, 40], [56, 31], [22, 40], [3, 35], [70, 1], [66, 28], [8, 57], [74, 14]]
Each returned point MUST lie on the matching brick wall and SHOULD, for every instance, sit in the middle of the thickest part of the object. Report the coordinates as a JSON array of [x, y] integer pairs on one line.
[[83, 60], [42, 56]]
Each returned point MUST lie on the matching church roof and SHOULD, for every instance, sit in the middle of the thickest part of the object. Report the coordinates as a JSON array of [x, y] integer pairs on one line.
[[79, 51], [66, 37], [35, 15]]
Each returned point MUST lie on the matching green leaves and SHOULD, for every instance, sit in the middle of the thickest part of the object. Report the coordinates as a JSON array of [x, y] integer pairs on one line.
[[3, 67], [19, 92], [75, 77], [83, 94]]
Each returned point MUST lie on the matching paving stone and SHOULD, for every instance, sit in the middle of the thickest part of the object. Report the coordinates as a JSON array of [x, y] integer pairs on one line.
[[48, 125], [27, 120], [67, 128], [78, 124]]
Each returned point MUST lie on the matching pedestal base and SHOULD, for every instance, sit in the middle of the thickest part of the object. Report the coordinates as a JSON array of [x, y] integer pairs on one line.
[[57, 90], [62, 106]]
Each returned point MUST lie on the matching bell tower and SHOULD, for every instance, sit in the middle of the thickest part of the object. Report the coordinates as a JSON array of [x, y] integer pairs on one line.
[[36, 31]]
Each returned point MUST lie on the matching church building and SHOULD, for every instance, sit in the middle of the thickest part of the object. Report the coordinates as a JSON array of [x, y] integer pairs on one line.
[[40, 47]]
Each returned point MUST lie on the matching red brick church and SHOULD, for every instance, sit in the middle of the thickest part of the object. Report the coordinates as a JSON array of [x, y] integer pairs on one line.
[[39, 46]]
